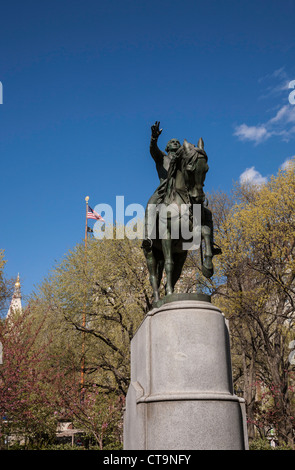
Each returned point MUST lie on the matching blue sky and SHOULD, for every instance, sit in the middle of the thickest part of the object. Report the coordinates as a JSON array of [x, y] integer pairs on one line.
[[84, 81]]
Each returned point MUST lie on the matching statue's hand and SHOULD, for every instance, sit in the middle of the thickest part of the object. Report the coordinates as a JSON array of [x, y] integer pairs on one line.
[[155, 130]]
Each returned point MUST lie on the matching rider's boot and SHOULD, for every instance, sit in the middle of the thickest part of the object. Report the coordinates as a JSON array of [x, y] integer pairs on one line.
[[147, 244]]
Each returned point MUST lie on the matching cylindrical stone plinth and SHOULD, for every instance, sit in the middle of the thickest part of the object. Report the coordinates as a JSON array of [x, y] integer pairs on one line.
[[181, 393]]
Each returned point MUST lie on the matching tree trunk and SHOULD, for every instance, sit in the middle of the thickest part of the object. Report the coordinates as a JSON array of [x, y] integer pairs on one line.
[[249, 393]]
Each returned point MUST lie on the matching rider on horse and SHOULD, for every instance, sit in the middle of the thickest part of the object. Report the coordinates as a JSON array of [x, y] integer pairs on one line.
[[193, 161], [162, 161]]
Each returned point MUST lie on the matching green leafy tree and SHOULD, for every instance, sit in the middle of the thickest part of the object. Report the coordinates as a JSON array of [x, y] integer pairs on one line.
[[97, 300], [91, 306], [258, 269]]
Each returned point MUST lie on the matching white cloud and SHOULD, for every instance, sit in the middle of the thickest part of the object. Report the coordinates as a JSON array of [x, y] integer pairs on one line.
[[282, 125], [287, 163], [252, 176], [278, 73], [255, 134], [280, 115], [274, 84], [285, 114]]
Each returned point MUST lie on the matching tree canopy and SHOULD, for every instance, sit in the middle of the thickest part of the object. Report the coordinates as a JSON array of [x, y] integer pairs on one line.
[[256, 291], [85, 313]]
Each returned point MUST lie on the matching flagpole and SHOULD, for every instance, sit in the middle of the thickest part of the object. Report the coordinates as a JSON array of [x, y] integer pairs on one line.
[[84, 309]]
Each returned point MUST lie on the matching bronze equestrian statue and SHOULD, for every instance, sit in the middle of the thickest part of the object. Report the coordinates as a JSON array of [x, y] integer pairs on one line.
[[171, 208]]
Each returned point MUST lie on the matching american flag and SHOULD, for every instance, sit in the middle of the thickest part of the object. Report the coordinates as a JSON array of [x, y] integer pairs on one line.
[[91, 214]]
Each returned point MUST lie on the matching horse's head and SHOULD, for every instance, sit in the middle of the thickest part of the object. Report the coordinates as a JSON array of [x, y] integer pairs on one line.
[[194, 169]]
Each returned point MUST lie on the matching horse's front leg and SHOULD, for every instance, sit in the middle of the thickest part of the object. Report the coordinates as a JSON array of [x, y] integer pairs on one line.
[[151, 262], [169, 263], [208, 255]]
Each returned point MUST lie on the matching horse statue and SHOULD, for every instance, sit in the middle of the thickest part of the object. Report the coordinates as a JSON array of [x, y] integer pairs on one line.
[[179, 196]]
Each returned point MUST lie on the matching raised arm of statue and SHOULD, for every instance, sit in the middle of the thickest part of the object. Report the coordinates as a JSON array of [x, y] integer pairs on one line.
[[156, 153]]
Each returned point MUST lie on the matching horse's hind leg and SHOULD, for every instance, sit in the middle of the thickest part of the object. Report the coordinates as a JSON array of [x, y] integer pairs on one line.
[[160, 269], [179, 260], [169, 264], [153, 271]]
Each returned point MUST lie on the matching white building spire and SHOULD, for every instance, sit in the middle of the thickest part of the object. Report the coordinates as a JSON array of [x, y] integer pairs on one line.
[[16, 303]]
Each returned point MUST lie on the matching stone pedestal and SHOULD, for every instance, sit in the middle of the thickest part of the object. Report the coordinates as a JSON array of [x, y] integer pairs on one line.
[[181, 394]]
